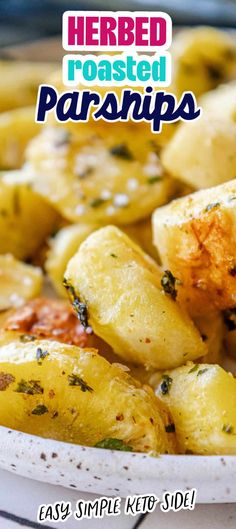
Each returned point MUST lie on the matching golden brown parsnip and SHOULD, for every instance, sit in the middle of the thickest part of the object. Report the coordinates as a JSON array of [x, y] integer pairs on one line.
[[61, 248], [17, 128], [202, 401], [19, 82], [202, 153], [195, 237], [26, 219], [63, 392], [203, 58], [99, 177], [18, 282], [120, 287]]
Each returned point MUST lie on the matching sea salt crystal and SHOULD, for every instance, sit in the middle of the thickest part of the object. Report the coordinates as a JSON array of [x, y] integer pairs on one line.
[[132, 184], [121, 200], [27, 281], [110, 211], [106, 194], [80, 209]]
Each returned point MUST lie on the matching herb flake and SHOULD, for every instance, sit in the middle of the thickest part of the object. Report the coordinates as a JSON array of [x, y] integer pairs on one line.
[[202, 371], [168, 283], [194, 368], [153, 180], [39, 410], [209, 207], [96, 202], [114, 444], [166, 384], [32, 387], [75, 380], [82, 311], [40, 355], [121, 151], [79, 306]]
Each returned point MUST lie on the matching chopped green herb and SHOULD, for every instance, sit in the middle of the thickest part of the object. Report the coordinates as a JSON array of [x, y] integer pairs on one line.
[[153, 179], [121, 151], [170, 428], [113, 255], [40, 355], [75, 380], [82, 311], [5, 380], [166, 384], [114, 444], [32, 387], [202, 371], [194, 368], [24, 338], [168, 282], [80, 308], [230, 318], [211, 206], [96, 202], [227, 428], [39, 410]]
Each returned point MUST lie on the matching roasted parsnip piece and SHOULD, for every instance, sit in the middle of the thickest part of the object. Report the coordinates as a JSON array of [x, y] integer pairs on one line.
[[19, 82], [116, 288], [61, 248], [98, 177], [203, 58], [195, 237], [17, 128], [18, 282], [26, 219], [202, 401], [202, 154], [71, 394]]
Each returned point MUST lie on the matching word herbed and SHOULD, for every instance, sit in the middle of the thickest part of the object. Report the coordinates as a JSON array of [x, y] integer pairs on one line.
[[110, 30], [80, 105]]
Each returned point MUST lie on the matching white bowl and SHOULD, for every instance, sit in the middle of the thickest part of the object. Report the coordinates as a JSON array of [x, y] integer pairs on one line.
[[115, 473]]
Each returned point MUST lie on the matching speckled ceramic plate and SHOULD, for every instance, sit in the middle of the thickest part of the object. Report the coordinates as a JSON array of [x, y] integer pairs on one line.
[[116, 473]]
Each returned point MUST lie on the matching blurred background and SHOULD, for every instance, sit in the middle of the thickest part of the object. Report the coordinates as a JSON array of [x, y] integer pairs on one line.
[[27, 20]]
